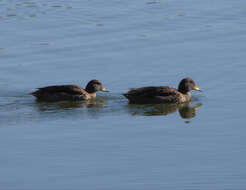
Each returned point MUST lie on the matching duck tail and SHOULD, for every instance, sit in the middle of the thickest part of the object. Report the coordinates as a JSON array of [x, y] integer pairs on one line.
[[126, 95], [34, 93]]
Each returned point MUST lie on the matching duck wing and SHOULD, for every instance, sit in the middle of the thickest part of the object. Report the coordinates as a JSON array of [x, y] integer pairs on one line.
[[68, 89], [161, 94], [149, 92]]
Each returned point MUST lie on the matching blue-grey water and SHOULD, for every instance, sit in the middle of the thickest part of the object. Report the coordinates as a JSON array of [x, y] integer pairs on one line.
[[109, 144]]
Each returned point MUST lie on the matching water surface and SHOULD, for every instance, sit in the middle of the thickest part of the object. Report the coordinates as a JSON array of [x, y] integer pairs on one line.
[[108, 144]]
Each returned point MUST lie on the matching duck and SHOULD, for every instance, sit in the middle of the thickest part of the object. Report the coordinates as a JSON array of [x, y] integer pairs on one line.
[[69, 92], [162, 94]]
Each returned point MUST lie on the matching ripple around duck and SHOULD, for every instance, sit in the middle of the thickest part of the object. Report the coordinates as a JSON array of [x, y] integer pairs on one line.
[[25, 109], [31, 9], [108, 143]]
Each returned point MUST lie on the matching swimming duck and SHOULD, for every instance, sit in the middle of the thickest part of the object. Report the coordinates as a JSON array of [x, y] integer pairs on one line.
[[162, 94], [69, 92]]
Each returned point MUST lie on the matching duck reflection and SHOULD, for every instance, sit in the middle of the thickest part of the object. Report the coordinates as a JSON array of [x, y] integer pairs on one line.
[[188, 112], [67, 105], [185, 110]]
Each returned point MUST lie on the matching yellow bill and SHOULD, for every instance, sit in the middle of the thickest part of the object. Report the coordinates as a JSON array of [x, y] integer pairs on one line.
[[197, 107], [104, 90], [196, 88]]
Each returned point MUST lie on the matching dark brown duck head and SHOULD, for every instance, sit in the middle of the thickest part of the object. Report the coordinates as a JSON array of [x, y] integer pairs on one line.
[[94, 86], [186, 85]]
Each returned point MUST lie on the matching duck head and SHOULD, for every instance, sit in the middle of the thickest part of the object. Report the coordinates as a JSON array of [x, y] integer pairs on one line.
[[186, 85], [94, 86]]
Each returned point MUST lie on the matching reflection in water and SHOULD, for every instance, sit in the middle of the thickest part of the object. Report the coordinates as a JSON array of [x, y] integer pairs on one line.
[[96, 108], [185, 110], [70, 110], [188, 112], [67, 105]]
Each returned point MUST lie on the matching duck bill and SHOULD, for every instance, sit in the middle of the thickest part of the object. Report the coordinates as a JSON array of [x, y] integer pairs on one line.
[[104, 90], [196, 88], [197, 107]]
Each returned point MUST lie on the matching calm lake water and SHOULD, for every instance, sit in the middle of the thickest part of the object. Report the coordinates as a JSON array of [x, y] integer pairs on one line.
[[109, 144]]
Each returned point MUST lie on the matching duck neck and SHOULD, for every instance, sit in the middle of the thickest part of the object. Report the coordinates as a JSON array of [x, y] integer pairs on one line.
[[188, 94], [185, 97], [183, 91], [90, 89], [93, 95]]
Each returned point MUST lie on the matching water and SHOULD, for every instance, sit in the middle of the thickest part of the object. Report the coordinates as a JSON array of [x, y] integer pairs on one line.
[[108, 144]]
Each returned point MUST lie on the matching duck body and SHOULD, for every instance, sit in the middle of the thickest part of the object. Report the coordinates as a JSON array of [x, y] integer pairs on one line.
[[68, 92], [162, 94], [156, 95], [61, 93]]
